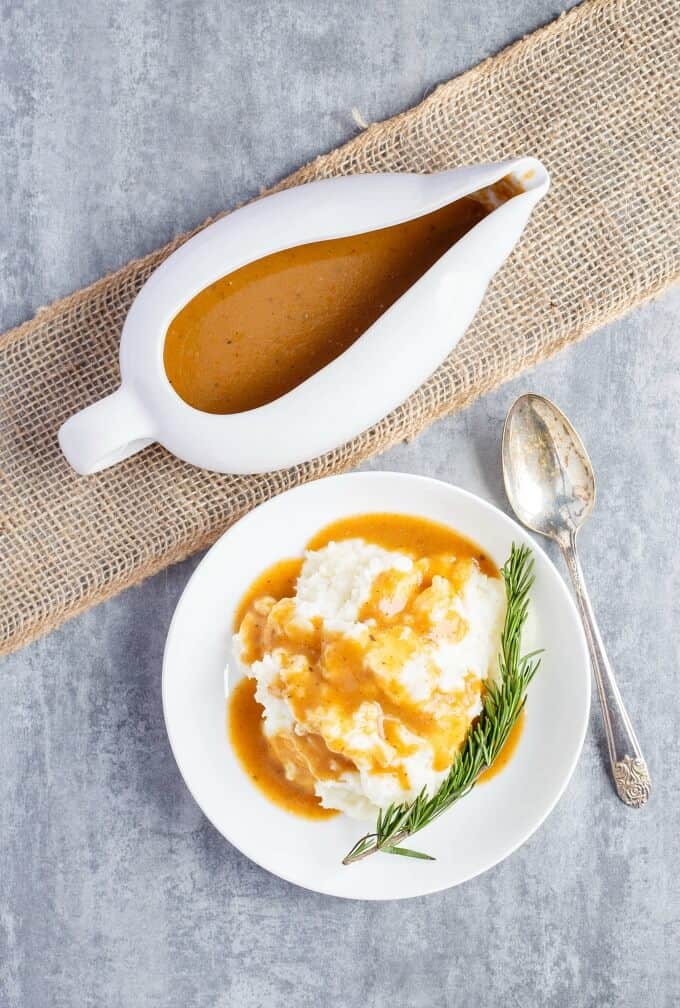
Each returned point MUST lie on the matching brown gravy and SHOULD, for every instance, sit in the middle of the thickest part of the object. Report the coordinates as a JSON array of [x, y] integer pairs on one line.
[[507, 752], [410, 534], [260, 331], [261, 757]]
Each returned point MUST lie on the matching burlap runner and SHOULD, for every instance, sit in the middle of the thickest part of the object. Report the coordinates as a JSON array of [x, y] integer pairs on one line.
[[595, 95]]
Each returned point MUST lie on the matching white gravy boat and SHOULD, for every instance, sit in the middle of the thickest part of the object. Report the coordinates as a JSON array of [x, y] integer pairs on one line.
[[377, 373]]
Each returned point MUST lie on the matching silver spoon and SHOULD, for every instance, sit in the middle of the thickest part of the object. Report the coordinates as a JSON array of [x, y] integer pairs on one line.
[[550, 484]]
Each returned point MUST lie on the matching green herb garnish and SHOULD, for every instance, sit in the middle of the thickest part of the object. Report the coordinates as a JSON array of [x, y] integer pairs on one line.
[[503, 704]]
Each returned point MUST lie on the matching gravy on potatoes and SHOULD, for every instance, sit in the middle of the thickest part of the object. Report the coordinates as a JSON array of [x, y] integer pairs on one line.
[[264, 758]]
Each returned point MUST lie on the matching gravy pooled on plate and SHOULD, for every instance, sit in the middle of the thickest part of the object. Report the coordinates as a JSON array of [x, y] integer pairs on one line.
[[260, 331]]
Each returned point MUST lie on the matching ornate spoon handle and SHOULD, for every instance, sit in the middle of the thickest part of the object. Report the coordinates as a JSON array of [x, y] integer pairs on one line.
[[629, 769]]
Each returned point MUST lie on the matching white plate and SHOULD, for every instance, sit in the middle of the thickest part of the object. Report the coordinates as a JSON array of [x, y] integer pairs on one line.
[[483, 828]]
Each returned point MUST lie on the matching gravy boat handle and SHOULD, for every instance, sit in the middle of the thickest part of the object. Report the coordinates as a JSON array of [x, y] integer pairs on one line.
[[106, 432]]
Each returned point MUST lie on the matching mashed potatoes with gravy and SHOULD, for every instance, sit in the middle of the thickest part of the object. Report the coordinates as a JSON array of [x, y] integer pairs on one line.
[[371, 673]]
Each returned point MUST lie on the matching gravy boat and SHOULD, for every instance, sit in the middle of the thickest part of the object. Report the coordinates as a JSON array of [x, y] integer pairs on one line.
[[361, 386]]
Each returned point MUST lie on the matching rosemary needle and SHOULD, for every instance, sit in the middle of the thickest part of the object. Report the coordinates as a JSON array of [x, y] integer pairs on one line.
[[503, 704]]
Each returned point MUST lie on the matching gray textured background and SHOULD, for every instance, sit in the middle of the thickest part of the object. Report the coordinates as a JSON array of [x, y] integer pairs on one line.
[[123, 122]]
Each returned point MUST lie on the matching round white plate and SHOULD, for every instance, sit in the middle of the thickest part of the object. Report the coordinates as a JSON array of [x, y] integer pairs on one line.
[[474, 835]]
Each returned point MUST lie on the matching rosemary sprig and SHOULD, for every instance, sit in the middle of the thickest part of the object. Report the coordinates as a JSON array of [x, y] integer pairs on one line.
[[503, 704]]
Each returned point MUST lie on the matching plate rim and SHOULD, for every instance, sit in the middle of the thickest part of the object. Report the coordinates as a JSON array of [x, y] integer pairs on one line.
[[369, 475]]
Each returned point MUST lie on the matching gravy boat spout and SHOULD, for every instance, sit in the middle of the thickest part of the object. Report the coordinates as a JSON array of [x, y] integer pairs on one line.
[[372, 373]]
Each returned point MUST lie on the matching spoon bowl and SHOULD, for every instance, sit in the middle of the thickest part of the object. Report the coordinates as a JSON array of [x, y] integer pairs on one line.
[[548, 475]]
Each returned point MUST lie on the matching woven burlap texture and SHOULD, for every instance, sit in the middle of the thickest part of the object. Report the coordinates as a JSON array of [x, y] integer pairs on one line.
[[594, 95]]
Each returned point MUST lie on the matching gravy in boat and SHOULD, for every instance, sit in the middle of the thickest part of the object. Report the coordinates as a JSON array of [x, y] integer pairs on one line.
[[260, 331]]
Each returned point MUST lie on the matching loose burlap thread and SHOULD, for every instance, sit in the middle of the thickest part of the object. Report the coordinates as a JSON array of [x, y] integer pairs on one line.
[[594, 95]]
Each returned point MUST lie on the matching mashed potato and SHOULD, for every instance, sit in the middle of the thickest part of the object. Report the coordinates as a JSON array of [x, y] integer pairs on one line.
[[371, 674]]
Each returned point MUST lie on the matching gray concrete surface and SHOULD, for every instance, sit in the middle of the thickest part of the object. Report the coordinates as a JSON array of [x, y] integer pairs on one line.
[[121, 124]]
